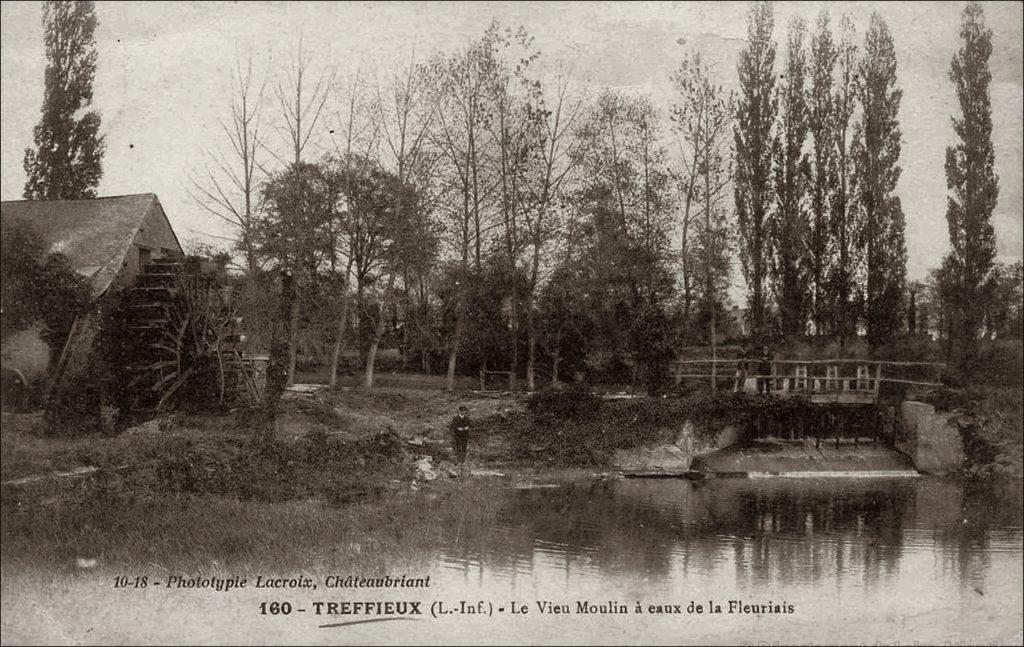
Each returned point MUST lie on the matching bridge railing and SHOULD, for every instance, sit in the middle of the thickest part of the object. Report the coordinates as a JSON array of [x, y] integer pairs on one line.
[[795, 377]]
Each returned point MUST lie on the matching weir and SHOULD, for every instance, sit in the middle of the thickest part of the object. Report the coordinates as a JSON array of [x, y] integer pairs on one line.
[[858, 421]]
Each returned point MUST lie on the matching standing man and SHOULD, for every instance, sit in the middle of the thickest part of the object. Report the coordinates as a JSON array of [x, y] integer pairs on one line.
[[460, 436]]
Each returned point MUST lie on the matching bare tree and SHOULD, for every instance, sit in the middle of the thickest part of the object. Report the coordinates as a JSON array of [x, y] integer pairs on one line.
[[356, 134], [404, 115], [701, 119], [515, 130], [301, 100], [459, 135], [558, 157], [228, 188]]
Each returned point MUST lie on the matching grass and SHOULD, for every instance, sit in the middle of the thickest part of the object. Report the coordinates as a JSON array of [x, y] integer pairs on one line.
[[206, 534]]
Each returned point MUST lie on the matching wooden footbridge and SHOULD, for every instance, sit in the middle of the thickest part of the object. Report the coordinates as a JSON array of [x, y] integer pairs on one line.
[[820, 381]]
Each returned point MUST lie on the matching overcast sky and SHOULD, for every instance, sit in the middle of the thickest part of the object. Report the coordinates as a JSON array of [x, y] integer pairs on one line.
[[163, 68]]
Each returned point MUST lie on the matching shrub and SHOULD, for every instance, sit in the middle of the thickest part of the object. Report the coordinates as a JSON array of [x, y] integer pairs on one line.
[[576, 401]]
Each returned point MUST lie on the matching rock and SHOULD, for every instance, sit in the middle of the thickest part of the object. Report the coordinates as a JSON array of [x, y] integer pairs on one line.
[[729, 435], [425, 469], [447, 468], [486, 473], [416, 442], [684, 440], [150, 427]]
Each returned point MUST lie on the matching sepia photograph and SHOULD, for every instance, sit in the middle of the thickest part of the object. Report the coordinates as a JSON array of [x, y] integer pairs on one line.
[[512, 323]]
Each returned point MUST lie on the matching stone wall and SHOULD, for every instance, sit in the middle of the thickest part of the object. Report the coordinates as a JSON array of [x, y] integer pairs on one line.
[[929, 439], [676, 457]]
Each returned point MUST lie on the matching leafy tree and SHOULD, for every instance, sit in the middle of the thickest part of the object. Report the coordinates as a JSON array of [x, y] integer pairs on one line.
[[625, 201], [843, 217], [1005, 301], [822, 119], [294, 237], [39, 287], [971, 178], [701, 119], [755, 115], [462, 112], [788, 221], [66, 161], [565, 322], [876, 164]]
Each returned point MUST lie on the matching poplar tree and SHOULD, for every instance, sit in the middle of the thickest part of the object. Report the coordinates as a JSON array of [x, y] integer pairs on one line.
[[752, 132], [788, 221], [876, 152], [972, 181], [821, 124], [66, 161], [843, 218]]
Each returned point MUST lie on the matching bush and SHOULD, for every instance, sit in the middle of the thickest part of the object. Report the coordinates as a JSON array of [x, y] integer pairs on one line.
[[576, 401]]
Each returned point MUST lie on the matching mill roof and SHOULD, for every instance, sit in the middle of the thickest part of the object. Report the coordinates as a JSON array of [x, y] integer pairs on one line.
[[94, 234]]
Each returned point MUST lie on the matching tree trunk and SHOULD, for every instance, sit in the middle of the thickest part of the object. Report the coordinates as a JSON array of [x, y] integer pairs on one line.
[[293, 335], [714, 351], [531, 353], [339, 338], [554, 366], [277, 367], [514, 329], [371, 354], [453, 352]]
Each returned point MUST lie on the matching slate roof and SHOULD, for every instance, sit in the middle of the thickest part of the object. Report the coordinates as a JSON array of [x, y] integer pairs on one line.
[[94, 234]]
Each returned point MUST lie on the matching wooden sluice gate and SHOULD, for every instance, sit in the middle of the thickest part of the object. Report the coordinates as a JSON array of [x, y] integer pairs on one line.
[[820, 381], [847, 399]]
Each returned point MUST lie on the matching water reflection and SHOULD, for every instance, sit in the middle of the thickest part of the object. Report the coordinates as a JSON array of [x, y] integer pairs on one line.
[[829, 535]]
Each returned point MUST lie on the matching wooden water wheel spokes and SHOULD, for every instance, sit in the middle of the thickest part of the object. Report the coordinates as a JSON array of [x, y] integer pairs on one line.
[[183, 329]]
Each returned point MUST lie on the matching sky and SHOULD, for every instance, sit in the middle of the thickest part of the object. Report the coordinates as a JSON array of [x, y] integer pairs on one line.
[[163, 74]]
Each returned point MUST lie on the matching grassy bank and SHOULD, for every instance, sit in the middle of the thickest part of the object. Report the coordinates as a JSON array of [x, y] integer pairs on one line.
[[194, 492]]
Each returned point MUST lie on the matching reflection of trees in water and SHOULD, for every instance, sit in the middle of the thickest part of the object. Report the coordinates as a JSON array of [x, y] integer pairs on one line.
[[965, 520], [782, 532], [816, 532]]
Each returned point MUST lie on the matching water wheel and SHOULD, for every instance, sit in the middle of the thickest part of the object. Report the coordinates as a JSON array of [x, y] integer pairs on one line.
[[182, 340]]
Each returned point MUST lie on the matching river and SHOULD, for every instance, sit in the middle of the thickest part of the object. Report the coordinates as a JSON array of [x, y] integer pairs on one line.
[[833, 560], [615, 561]]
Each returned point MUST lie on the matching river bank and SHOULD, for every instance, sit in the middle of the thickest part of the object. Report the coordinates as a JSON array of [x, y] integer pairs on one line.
[[343, 459]]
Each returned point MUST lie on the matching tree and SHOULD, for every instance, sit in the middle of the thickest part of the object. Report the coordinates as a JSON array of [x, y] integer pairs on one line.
[[625, 201], [460, 82], [301, 108], [1003, 305], [358, 133], [701, 119], [558, 156], [821, 123], [66, 163], [409, 244], [38, 287], [294, 237], [788, 224], [843, 220], [971, 178], [755, 116], [516, 132], [565, 323], [229, 187], [876, 151]]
